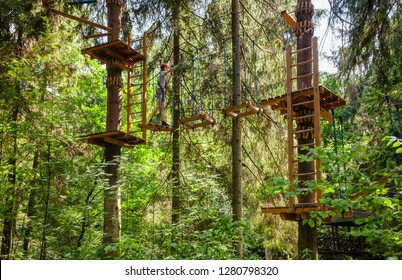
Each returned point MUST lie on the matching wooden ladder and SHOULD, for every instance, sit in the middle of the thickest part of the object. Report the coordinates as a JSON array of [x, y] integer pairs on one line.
[[305, 108], [136, 90]]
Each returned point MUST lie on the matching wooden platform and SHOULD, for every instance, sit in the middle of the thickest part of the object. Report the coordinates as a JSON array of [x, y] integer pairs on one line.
[[193, 122], [115, 50], [114, 137], [156, 127], [328, 99], [302, 212], [235, 111]]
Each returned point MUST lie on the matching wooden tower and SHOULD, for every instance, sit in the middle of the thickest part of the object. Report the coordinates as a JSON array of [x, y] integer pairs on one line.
[[303, 107], [134, 60], [118, 55]]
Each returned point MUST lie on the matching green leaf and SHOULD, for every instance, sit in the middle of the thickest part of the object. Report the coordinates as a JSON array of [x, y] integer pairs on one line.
[[388, 203], [399, 151], [311, 223]]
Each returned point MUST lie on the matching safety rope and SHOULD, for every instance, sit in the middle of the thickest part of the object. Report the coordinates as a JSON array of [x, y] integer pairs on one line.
[[342, 139], [224, 75], [199, 81], [336, 147], [255, 72], [193, 89], [212, 84], [236, 97], [245, 67], [180, 87]]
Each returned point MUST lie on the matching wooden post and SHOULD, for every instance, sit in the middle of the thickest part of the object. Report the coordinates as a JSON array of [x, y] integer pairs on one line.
[[290, 115], [317, 109], [144, 85]]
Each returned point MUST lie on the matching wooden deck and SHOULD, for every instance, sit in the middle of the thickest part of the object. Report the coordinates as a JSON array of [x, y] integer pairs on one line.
[[114, 137], [115, 50], [328, 99]]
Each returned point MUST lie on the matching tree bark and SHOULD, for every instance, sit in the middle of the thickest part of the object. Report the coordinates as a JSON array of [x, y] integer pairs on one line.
[[31, 206], [307, 241], [11, 197], [176, 200], [237, 192], [112, 209]]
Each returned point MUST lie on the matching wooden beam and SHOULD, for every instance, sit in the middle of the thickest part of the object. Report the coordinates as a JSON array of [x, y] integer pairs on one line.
[[238, 107], [91, 36], [114, 141], [191, 119], [290, 20], [81, 20]]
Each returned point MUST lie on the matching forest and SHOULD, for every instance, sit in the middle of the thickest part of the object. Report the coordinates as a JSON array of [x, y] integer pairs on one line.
[[220, 185]]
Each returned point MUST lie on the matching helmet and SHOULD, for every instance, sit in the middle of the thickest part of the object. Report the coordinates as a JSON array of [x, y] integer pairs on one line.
[[163, 65]]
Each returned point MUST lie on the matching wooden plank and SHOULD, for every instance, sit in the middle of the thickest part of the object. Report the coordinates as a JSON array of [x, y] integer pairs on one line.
[[156, 127], [191, 119], [245, 114], [231, 114], [114, 141], [96, 35], [114, 54], [255, 108], [81, 20], [289, 19], [238, 107]]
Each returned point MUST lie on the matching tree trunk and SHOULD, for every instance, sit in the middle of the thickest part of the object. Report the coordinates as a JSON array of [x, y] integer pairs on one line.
[[176, 200], [31, 206], [11, 194], [237, 193], [112, 210], [307, 242]]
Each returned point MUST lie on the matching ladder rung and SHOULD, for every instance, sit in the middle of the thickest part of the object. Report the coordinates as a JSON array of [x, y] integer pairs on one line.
[[305, 102], [304, 145], [137, 75], [302, 76], [301, 50], [301, 131], [135, 85], [302, 63], [305, 174], [302, 117]]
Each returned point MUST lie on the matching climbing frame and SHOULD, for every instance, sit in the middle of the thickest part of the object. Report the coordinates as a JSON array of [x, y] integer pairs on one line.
[[303, 105], [134, 61]]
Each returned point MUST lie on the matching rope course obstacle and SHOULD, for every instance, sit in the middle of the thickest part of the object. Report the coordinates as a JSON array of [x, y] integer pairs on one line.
[[246, 108], [303, 105], [118, 54], [198, 117]]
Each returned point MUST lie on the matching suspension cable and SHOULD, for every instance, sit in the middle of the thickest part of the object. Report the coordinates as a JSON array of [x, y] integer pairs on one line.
[[336, 147], [224, 75], [255, 72], [212, 84], [245, 67]]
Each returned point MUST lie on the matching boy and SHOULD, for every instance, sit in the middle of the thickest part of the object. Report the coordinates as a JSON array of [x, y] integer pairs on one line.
[[161, 92]]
